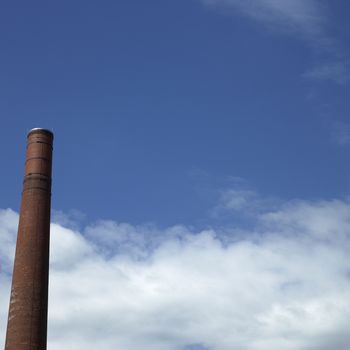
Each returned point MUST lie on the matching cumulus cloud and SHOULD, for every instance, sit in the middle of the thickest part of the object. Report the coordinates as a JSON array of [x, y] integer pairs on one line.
[[8, 229], [284, 285]]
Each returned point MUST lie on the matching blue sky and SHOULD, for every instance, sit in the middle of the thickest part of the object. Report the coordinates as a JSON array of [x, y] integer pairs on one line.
[[144, 95], [180, 127]]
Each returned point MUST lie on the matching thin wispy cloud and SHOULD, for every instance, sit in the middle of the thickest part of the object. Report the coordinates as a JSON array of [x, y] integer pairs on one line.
[[340, 133], [237, 200], [283, 285], [307, 18], [338, 72], [241, 200]]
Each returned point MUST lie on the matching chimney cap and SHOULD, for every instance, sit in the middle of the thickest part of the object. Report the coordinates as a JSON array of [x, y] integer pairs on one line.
[[40, 130]]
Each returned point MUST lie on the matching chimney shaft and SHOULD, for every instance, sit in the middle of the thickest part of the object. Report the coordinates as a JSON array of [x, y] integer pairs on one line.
[[27, 320]]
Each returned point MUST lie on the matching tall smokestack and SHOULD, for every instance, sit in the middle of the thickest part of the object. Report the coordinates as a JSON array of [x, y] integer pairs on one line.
[[27, 320]]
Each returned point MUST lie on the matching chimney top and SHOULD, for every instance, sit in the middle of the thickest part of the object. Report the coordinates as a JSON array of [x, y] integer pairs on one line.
[[40, 131]]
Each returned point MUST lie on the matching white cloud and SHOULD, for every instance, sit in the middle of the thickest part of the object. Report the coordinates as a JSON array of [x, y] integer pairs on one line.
[[305, 17], [285, 285], [240, 205], [72, 219], [242, 200], [234, 199], [8, 229]]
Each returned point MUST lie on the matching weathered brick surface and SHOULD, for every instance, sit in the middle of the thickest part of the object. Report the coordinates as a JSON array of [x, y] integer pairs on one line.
[[27, 321]]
